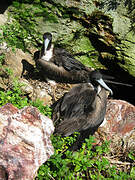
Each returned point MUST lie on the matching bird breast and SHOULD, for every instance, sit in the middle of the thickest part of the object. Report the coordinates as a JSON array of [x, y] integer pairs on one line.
[[48, 55]]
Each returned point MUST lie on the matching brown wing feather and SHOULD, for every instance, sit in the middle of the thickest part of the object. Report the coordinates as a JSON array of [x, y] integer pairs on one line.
[[81, 109], [66, 60], [52, 71], [76, 106]]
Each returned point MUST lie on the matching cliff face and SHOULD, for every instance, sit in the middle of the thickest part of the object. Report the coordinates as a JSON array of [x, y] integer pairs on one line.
[[89, 29], [98, 33]]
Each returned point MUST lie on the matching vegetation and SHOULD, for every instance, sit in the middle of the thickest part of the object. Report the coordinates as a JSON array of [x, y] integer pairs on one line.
[[89, 162], [22, 32], [20, 100]]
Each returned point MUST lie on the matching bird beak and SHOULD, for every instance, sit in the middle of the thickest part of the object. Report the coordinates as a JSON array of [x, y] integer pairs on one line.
[[46, 43], [102, 83]]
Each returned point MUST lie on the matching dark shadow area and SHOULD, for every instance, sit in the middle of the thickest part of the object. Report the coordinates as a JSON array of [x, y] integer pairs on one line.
[[31, 72], [3, 173], [101, 46], [129, 4], [4, 5], [36, 55], [119, 91], [110, 4], [113, 68], [27, 67]]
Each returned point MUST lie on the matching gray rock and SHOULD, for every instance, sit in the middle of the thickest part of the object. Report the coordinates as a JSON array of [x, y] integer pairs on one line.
[[123, 26], [43, 95]]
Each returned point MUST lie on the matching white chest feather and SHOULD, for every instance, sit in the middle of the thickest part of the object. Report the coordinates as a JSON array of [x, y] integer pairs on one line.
[[48, 54]]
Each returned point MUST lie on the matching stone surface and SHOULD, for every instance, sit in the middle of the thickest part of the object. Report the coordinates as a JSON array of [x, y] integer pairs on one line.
[[120, 117], [98, 33], [42, 94], [14, 61], [3, 18], [24, 142], [122, 25], [120, 124]]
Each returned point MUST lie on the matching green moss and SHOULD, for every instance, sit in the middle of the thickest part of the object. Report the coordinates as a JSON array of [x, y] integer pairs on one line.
[[127, 55], [82, 44], [91, 61], [87, 61], [129, 66]]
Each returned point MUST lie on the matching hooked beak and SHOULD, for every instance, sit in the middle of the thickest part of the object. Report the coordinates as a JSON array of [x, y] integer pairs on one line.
[[46, 43], [102, 83]]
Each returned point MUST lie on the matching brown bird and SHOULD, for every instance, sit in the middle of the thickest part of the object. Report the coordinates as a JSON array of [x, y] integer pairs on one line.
[[59, 65], [83, 108]]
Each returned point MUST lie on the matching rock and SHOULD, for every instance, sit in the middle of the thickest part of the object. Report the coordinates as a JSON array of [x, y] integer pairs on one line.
[[3, 173], [122, 25], [120, 117], [74, 27], [14, 60], [24, 142], [26, 87], [42, 94], [119, 126], [3, 18], [93, 31]]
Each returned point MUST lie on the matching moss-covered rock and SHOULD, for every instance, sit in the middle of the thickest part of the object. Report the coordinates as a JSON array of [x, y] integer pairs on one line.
[[123, 26], [94, 31]]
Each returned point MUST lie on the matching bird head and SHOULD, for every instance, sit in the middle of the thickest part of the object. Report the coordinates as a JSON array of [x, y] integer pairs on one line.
[[47, 38], [96, 79]]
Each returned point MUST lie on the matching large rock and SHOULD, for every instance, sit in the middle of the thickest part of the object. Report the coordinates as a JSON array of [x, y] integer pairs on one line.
[[122, 15], [119, 125], [24, 142], [90, 28]]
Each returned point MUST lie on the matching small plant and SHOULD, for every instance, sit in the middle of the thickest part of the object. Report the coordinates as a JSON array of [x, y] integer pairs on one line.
[[18, 37], [2, 58], [46, 110], [14, 96], [18, 99], [86, 163]]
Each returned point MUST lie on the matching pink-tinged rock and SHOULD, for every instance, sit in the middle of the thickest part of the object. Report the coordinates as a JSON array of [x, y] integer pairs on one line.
[[120, 116], [24, 142], [120, 123]]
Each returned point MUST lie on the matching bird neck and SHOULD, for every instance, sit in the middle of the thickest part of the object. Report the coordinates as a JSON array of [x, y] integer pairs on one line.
[[48, 54], [99, 89]]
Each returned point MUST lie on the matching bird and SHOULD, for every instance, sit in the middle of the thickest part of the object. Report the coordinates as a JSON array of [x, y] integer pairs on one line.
[[58, 65], [83, 108]]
